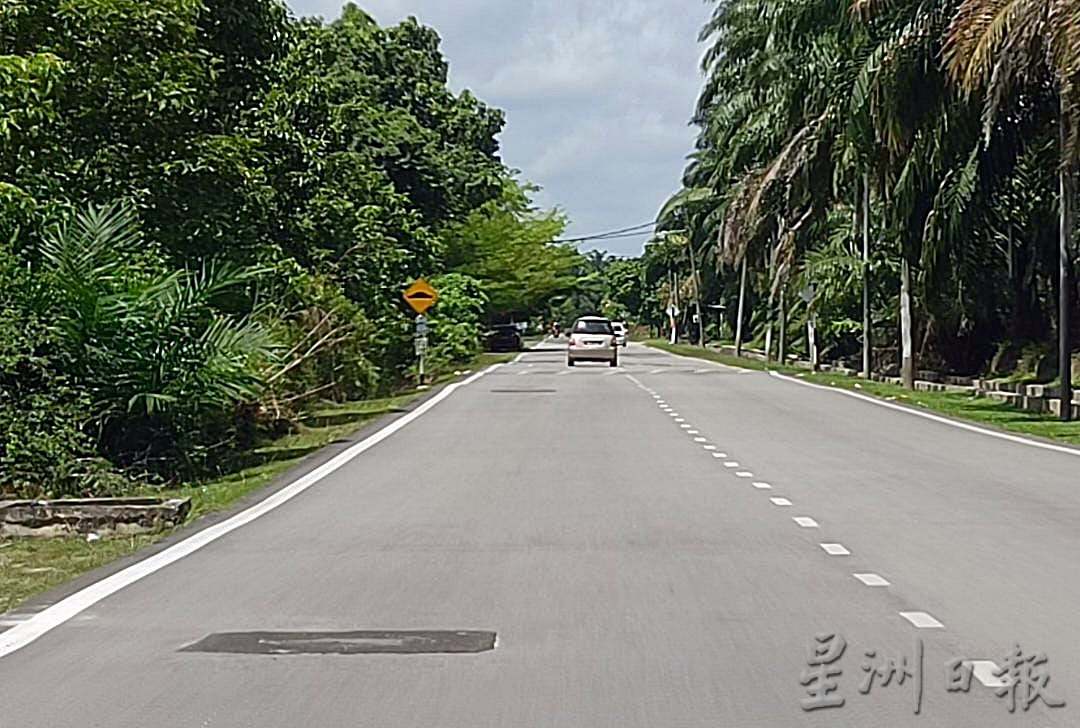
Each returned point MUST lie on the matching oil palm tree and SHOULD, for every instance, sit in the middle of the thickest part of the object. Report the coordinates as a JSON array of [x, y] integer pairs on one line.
[[997, 48]]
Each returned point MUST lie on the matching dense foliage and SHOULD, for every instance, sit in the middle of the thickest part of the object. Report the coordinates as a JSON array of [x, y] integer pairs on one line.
[[939, 134], [208, 212]]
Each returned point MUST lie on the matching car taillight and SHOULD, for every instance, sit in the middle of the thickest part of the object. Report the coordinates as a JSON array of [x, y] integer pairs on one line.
[[571, 341], [614, 341]]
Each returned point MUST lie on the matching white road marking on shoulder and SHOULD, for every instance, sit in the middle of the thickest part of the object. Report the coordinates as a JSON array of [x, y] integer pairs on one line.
[[935, 418], [871, 579], [805, 521], [984, 673], [780, 501], [48, 619], [835, 549], [922, 620]]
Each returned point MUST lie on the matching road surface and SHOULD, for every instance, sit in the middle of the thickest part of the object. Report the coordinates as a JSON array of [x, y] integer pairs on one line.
[[630, 537]]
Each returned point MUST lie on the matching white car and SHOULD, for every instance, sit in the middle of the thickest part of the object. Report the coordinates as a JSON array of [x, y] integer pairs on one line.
[[592, 339], [620, 332]]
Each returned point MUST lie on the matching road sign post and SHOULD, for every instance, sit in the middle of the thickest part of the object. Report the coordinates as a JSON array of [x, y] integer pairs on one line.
[[420, 296]]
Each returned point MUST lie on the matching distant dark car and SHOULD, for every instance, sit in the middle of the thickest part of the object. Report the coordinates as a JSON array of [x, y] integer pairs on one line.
[[504, 338]]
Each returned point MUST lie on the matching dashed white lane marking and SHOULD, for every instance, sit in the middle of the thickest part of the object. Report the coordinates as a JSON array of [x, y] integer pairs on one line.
[[835, 549], [70, 607], [762, 486], [922, 620], [523, 373], [719, 455], [744, 474], [562, 374], [710, 447], [731, 464], [693, 432], [805, 521], [673, 414], [685, 426], [656, 371], [700, 439], [661, 402], [984, 673], [780, 501], [871, 579], [680, 419]]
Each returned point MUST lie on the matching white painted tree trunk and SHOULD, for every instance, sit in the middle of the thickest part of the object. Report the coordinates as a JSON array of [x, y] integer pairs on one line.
[[907, 361], [742, 305]]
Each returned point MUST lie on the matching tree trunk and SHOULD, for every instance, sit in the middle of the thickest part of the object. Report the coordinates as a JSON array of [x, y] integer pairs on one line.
[[1064, 254], [742, 304], [864, 222], [907, 362]]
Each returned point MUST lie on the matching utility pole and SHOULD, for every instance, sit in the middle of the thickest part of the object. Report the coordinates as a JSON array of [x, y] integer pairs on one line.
[[1065, 179], [697, 292], [864, 207]]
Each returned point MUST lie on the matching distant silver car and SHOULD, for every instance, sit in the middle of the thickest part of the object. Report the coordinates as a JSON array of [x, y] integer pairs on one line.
[[592, 339], [620, 332]]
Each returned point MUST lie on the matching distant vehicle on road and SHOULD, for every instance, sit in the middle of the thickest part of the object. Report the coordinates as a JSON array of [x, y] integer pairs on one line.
[[592, 339], [620, 332], [505, 337]]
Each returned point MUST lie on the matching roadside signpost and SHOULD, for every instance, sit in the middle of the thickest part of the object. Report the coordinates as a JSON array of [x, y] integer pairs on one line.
[[420, 296]]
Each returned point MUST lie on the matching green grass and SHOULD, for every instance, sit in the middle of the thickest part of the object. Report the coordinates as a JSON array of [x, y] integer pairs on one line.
[[31, 566], [978, 410]]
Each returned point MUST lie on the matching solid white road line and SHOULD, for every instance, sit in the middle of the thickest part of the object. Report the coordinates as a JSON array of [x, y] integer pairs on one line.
[[935, 418], [762, 486], [48, 619], [805, 521], [835, 549], [871, 579], [922, 620], [780, 502]]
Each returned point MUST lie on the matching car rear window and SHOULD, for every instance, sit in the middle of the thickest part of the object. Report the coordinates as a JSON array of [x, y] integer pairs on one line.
[[592, 327]]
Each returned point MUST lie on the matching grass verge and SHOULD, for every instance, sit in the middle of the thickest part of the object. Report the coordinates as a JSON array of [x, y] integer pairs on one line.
[[31, 566], [977, 410]]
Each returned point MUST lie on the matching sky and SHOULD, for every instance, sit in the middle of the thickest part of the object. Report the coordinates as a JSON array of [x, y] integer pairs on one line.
[[597, 93]]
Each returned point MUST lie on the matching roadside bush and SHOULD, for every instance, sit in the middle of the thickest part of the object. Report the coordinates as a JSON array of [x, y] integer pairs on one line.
[[163, 367], [455, 319]]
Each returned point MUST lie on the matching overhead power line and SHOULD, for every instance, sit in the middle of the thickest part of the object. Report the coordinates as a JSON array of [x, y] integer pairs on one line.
[[629, 232]]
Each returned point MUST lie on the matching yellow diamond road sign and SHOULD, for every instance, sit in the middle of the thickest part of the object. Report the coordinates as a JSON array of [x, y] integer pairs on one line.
[[420, 295]]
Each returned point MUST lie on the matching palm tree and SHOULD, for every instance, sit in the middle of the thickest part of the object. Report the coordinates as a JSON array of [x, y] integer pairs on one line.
[[998, 47]]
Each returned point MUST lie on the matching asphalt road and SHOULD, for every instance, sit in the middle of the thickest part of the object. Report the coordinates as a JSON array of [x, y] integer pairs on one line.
[[614, 529]]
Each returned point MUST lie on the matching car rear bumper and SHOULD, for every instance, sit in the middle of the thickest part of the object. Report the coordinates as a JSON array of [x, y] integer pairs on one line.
[[599, 353]]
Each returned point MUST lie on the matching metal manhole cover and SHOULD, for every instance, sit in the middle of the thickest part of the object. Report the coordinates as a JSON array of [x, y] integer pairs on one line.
[[421, 642]]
